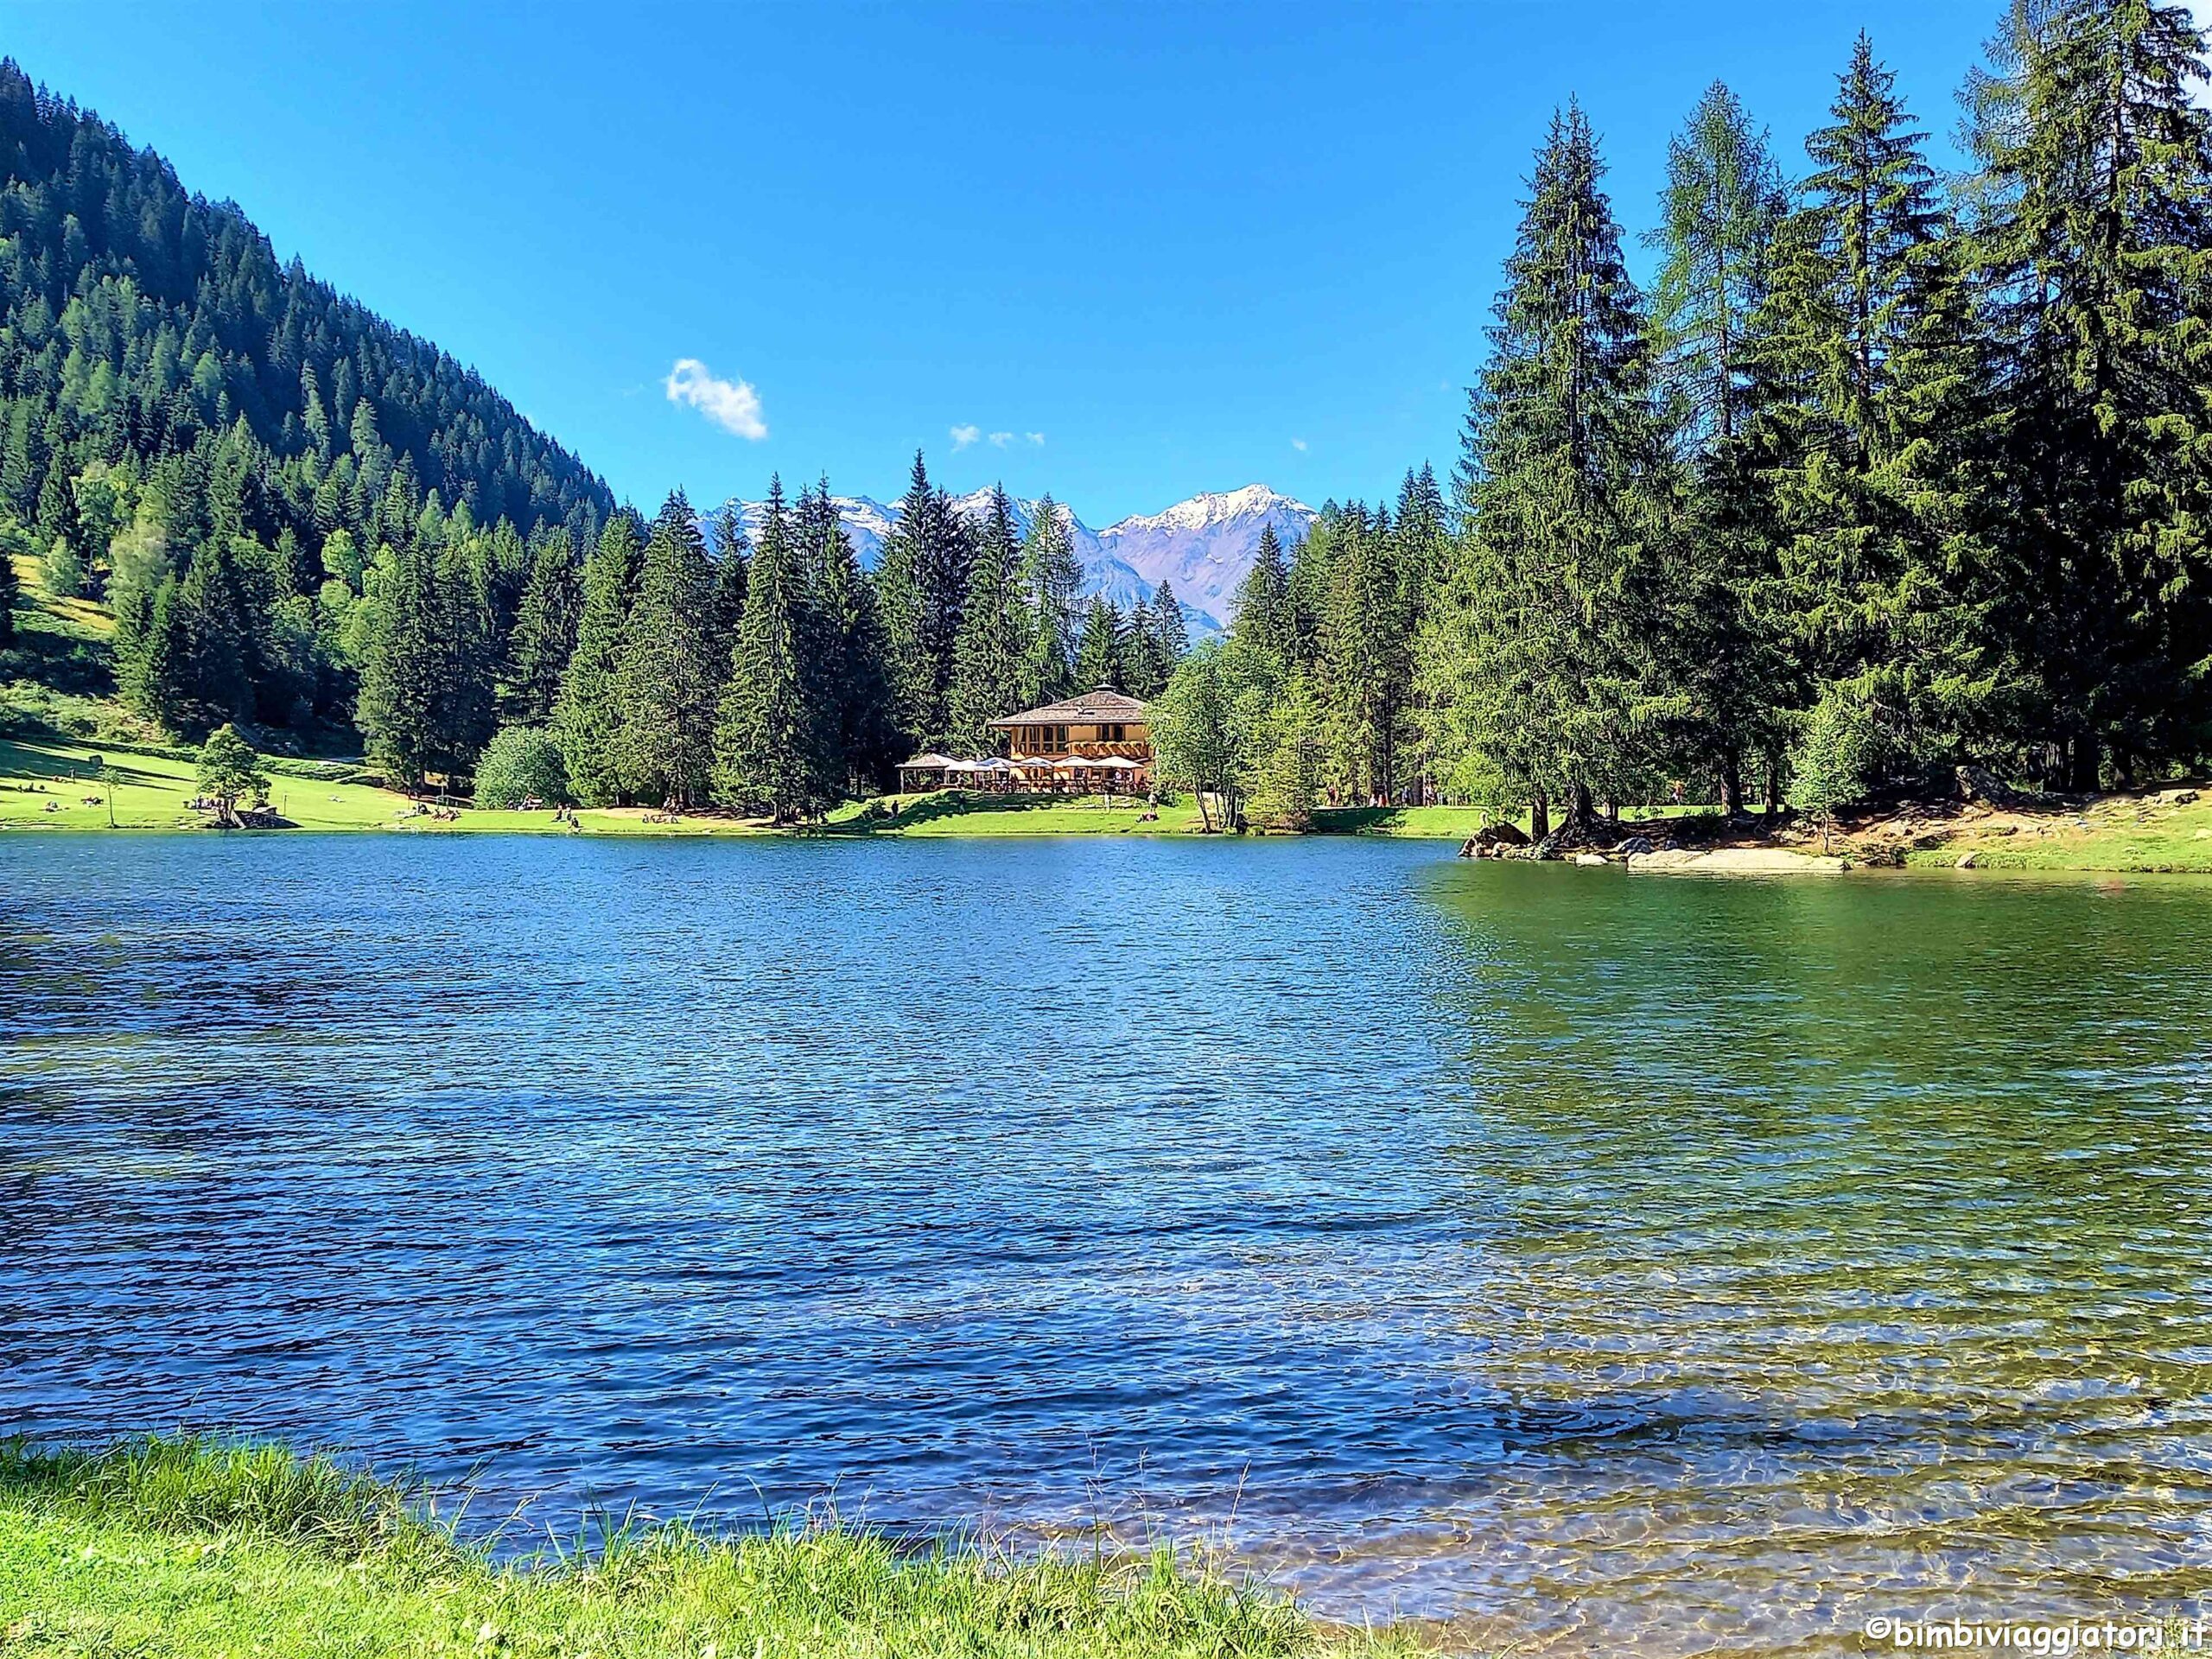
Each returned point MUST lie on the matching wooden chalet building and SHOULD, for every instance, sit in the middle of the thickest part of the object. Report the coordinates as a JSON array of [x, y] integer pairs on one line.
[[1095, 743]]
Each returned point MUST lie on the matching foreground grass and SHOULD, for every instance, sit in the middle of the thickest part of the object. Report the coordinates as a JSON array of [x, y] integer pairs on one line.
[[169, 1549]]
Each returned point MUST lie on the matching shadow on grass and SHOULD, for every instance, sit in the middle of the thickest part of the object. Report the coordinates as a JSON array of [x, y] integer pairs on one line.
[[19, 760], [53, 654], [949, 805], [1356, 820]]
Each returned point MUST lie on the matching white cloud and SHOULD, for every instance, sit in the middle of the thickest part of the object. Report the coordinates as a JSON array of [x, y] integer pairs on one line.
[[964, 436], [732, 405], [1034, 437], [1000, 439], [1299, 444]]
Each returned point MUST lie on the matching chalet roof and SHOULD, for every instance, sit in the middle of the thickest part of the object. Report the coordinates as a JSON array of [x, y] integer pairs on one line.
[[1088, 707]]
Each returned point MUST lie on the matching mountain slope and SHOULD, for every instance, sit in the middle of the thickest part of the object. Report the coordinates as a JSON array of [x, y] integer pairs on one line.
[[136, 318], [1203, 547]]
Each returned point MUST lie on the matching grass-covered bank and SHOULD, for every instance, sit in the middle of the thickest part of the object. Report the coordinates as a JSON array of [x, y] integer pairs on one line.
[[56, 783], [196, 1548]]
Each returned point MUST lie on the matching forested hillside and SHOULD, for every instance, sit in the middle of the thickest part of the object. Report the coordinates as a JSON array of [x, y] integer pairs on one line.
[[216, 443]]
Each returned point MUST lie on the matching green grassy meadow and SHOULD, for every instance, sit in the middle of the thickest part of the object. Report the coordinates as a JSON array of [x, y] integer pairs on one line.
[[190, 1549], [2120, 834]]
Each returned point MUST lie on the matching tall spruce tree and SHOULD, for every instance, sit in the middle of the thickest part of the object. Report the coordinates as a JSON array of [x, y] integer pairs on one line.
[[217, 616], [990, 654], [1365, 668], [1050, 582], [544, 635], [767, 739], [589, 716], [1720, 217], [1532, 656], [406, 685], [10, 594], [1171, 633], [923, 582], [1099, 652], [2090, 241], [1870, 578], [1261, 620], [858, 740], [667, 685]]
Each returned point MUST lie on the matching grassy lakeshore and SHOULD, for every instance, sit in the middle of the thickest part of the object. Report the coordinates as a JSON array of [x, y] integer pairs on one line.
[[53, 783], [196, 1548]]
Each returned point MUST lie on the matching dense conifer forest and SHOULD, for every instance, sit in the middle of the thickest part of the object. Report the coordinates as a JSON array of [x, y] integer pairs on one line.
[[1885, 471]]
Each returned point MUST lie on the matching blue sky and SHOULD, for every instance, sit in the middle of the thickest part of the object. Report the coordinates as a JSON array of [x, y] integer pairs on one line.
[[1185, 246]]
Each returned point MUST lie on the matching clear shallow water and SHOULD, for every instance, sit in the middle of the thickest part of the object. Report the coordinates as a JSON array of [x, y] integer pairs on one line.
[[1569, 1256]]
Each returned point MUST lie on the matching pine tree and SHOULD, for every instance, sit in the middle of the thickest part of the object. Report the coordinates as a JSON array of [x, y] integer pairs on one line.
[[667, 685], [923, 582], [466, 677], [1099, 654], [725, 607], [588, 715], [1286, 782], [156, 676], [989, 657], [400, 683], [1856, 490], [1171, 633], [218, 620], [1140, 670], [854, 711], [545, 633], [1263, 619], [2089, 242], [10, 595], [1723, 202], [1531, 659], [766, 737], [1721, 214], [1365, 665], [1049, 581]]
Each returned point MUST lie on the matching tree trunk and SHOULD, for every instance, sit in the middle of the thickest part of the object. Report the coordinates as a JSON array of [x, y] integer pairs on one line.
[[1774, 787], [1540, 817], [2088, 765], [1205, 822], [1585, 810], [1732, 788]]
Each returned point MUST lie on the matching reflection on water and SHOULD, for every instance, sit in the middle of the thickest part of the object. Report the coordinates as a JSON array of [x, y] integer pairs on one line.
[[1558, 1254]]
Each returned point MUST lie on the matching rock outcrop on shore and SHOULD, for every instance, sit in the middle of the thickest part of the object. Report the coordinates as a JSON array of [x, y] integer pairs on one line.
[[1736, 861]]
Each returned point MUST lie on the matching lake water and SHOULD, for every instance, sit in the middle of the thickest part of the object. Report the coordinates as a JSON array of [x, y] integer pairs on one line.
[[1567, 1256]]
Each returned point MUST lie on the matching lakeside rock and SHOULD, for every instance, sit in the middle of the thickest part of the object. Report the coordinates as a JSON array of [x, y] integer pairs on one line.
[[1737, 861], [1492, 840]]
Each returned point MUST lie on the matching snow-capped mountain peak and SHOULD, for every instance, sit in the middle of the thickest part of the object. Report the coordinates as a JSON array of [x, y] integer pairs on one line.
[[1212, 507], [1202, 547]]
